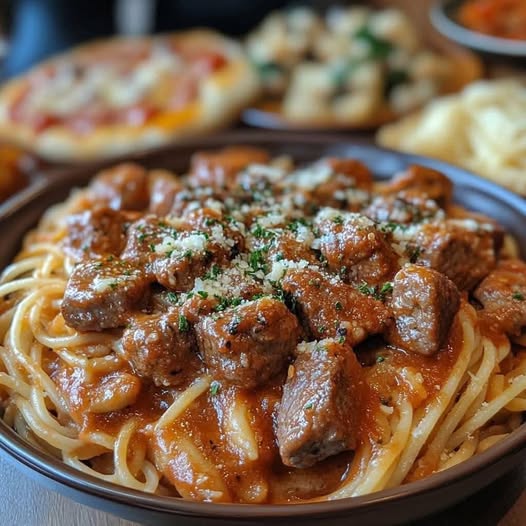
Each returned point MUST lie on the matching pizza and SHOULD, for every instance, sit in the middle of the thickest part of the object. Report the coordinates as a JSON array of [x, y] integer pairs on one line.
[[114, 96]]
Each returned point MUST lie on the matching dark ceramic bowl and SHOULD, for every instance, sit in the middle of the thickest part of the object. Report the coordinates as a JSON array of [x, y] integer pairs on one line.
[[443, 17], [389, 507]]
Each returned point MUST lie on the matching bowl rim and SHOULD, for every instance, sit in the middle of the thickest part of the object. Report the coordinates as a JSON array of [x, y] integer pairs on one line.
[[445, 24], [37, 460]]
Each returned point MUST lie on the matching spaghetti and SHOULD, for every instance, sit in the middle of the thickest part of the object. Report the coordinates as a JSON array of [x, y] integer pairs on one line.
[[203, 433]]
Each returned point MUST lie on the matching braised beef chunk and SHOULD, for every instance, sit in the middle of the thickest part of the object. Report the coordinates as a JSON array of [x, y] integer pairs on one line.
[[220, 168], [425, 181], [465, 254], [424, 304], [404, 207], [286, 244], [177, 251], [164, 187], [123, 187], [101, 294], [317, 417], [330, 308], [95, 233], [503, 297], [346, 175], [160, 347], [355, 249], [144, 235], [249, 344]]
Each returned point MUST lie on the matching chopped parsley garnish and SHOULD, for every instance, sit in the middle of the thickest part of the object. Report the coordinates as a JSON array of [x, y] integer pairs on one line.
[[378, 293], [391, 226], [210, 221], [151, 246], [256, 259], [215, 386], [225, 302], [518, 296], [262, 233], [213, 272], [309, 405], [183, 324], [380, 359], [203, 294], [322, 329], [386, 288], [188, 254], [378, 47], [365, 289], [113, 285], [172, 297], [338, 220], [295, 224], [338, 305]]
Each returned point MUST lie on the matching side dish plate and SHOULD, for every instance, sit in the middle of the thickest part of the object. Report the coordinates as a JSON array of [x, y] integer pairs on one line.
[[443, 18], [402, 504]]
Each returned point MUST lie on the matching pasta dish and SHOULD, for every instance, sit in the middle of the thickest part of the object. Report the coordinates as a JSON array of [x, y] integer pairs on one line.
[[257, 331]]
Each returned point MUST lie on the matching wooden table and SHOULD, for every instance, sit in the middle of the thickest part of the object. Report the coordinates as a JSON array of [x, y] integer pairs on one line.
[[25, 503]]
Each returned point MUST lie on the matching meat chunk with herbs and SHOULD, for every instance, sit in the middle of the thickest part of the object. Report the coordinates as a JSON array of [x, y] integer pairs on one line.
[[123, 187], [336, 182], [160, 347], [424, 181], [219, 168], [402, 208], [355, 249], [163, 189], [317, 417], [249, 344], [424, 304], [95, 233], [177, 251], [102, 294], [503, 297], [462, 250], [328, 307]]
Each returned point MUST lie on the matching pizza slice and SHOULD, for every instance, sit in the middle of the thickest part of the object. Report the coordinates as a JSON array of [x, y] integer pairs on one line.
[[119, 95]]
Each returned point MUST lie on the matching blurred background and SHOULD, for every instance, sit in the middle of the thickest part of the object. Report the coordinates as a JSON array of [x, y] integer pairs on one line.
[[32, 30]]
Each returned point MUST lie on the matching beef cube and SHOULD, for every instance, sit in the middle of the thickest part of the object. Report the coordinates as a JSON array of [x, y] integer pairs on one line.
[[462, 250], [330, 308], [341, 183], [175, 253], [249, 344], [347, 176], [317, 417], [219, 168], [123, 187], [424, 304], [146, 236], [355, 249], [404, 208], [425, 181], [95, 233], [164, 187], [101, 294], [160, 347], [503, 297]]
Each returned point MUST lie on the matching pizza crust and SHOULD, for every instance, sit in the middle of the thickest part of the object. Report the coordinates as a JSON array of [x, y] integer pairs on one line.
[[221, 98]]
